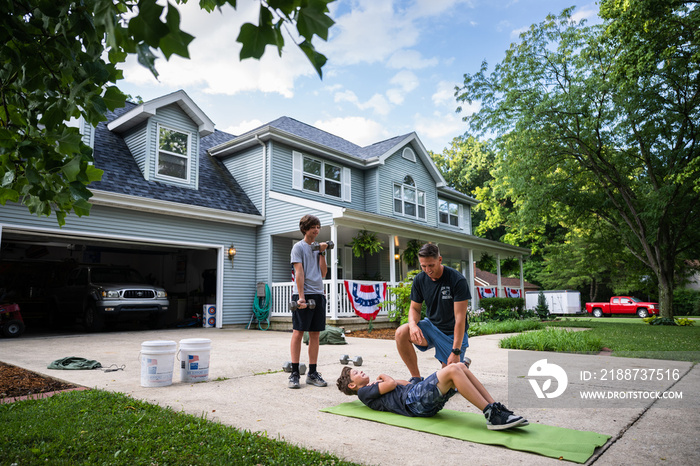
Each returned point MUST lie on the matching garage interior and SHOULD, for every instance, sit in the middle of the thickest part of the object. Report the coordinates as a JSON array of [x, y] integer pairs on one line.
[[31, 262]]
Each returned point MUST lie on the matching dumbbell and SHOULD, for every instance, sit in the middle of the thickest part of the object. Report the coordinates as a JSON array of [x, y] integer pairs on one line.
[[315, 246], [357, 360], [311, 304], [287, 367]]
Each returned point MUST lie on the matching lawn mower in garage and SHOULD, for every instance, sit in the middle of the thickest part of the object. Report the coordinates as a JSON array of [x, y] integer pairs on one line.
[[11, 320]]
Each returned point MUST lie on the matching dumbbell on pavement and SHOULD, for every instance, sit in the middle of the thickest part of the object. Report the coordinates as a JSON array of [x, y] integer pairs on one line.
[[315, 246], [287, 367], [293, 305], [357, 360]]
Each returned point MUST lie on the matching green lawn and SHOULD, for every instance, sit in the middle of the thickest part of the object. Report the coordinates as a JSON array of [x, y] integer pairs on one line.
[[631, 337], [99, 427]]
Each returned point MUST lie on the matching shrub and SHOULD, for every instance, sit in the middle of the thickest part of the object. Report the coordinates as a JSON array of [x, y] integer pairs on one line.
[[686, 302], [399, 302], [504, 308], [542, 308]]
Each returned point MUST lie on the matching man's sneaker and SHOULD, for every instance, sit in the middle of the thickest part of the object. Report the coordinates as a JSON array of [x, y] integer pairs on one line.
[[497, 419], [415, 380], [508, 411], [294, 380], [315, 379]]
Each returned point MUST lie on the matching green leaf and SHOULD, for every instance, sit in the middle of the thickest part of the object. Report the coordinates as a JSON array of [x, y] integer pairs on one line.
[[7, 194], [146, 58], [313, 20], [114, 98], [72, 169], [254, 40], [176, 41], [317, 59], [93, 174]]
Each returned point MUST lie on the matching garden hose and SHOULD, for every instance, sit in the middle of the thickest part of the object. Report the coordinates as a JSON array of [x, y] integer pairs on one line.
[[262, 313]]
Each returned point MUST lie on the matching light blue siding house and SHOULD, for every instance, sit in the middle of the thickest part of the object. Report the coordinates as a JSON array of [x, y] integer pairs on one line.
[[177, 195]]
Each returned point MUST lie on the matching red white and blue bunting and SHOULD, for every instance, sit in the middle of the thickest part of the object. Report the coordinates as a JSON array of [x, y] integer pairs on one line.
[[365, 297], [485, 292], [512, 292]]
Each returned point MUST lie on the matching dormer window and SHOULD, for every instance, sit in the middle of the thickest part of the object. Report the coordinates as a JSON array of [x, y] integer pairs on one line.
[[173, 154], [409, 201], [448, 212]]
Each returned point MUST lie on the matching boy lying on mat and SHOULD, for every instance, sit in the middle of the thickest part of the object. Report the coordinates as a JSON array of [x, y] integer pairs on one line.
[[426, 398]]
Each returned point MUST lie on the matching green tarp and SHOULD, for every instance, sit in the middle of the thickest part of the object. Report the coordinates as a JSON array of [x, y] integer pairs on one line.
[[74, 363]]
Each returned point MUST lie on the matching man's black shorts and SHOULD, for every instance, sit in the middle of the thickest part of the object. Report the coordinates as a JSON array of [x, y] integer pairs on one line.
[[310, 320]]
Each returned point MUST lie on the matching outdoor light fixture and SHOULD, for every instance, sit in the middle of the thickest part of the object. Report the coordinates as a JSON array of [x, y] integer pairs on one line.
[[231, 254], [397, 256]]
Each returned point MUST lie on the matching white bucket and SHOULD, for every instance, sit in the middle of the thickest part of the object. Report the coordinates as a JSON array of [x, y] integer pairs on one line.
[[194, 359], [157, 361]]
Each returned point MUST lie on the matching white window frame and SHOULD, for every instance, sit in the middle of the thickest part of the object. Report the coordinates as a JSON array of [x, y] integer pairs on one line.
[[187, 156], [458, 215], [402, 188], [298, 175], [408, 154]]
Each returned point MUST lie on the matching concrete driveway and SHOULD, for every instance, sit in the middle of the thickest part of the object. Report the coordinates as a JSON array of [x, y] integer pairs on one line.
[[247, 390]]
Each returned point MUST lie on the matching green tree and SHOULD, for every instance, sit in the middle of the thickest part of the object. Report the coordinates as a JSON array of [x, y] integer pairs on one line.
[[466, 166], [59, 62], [601, 122]]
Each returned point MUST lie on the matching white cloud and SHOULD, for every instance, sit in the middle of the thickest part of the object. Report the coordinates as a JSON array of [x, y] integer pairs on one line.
[[243, 127], [358, 130], [410, 59], [377, 102], [380, 30], [444, 94], [406, 80], [214, 65], [437, 130], [515, 33]]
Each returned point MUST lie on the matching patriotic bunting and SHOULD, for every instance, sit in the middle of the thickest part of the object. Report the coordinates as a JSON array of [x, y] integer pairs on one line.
[[366, 297], [512, 292], [485, 292]]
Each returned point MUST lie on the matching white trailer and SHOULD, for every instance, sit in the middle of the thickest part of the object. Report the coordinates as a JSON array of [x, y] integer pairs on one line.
[[559, 301]]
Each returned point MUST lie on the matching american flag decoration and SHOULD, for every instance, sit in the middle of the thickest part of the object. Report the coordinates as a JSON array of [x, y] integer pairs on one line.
[[193, 361], [512, 292], [365, 298], [485, 292]]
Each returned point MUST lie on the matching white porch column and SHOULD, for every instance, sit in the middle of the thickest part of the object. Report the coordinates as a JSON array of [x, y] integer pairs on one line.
[[392, 260], [472, 289], [498, 274], [522, 279], [334, 273]]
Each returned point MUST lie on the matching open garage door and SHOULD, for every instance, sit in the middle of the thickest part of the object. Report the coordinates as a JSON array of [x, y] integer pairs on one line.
[[33, 264]]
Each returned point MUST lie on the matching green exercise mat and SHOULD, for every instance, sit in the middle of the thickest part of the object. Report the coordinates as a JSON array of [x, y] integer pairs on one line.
[[555, 442]]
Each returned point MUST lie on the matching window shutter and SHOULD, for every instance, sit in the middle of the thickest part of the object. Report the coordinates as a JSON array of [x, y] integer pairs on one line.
[[460, 220], [297, 170], [347, 175]]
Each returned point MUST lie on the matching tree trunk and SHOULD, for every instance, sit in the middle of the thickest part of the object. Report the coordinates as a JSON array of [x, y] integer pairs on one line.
[[666, 298]]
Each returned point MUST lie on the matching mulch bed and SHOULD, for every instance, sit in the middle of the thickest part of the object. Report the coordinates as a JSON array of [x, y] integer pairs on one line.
[[17, 382], [376, 333]]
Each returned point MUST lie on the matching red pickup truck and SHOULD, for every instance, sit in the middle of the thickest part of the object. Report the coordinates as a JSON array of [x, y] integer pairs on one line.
[[623, 305]]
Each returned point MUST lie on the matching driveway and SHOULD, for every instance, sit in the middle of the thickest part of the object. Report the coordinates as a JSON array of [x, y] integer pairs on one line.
[[247, 390]]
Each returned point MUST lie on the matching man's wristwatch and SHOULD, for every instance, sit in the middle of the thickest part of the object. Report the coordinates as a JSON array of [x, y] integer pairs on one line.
[[456, 351]]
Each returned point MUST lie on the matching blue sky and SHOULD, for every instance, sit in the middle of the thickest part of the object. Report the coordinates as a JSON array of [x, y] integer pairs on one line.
[[392, 66]]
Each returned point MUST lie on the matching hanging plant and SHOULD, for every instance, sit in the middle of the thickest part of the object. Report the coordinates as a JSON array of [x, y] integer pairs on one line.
[[410, 255], [366, 242]]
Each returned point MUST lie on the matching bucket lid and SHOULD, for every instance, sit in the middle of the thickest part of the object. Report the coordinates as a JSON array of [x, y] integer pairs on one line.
[[195, 341], [158, 343]]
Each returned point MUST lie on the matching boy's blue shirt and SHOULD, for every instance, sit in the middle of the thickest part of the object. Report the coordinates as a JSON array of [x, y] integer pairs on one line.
[[393, 401]]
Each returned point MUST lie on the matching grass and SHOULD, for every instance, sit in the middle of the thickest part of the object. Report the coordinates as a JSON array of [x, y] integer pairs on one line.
[[634, 338], [553, 339], [503, 326], [98, 427]]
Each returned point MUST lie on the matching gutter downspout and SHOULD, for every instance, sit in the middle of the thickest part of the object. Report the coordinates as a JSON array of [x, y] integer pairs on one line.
[[264, 174]]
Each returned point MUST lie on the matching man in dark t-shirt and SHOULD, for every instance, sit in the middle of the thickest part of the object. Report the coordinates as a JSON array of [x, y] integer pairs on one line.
[[446, 294]]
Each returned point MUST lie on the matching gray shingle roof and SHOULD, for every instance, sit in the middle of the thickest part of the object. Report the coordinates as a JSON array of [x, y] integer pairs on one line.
[[217, 187]]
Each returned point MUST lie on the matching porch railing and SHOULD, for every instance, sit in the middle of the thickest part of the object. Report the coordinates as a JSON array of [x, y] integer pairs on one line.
[[282, 293]]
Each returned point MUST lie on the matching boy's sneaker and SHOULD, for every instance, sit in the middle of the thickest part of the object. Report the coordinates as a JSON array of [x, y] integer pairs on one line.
[[467, 362], [315, 379], [294, 380], [508, 411], [415, 380], [497, 419]]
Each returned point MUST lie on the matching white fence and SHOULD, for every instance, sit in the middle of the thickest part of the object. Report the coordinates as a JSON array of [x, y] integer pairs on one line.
[[282, 294]]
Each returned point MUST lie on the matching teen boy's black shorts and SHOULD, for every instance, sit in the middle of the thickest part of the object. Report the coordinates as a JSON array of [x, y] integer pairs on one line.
[[307, 319]]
